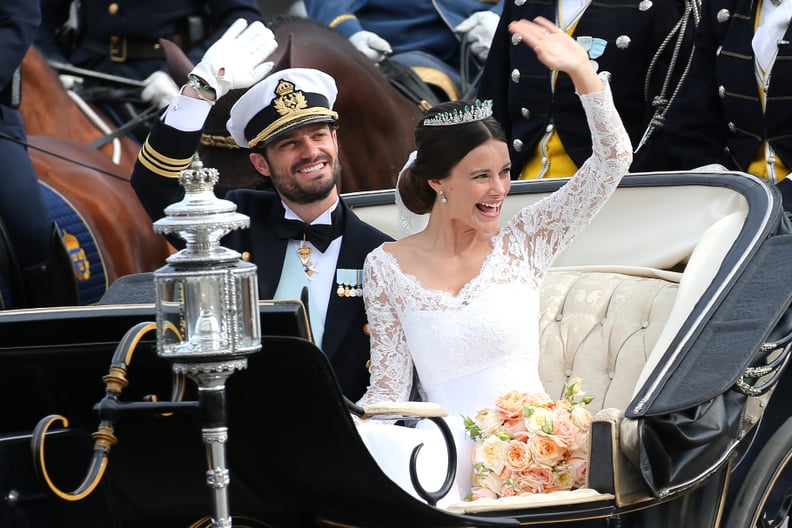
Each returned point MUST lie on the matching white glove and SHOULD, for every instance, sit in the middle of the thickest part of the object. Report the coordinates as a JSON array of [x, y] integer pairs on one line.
[[160, 89], [236, 60], [371, 45], [477, 31]]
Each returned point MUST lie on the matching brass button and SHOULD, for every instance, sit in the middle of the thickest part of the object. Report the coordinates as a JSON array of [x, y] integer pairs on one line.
[[112, 8], [366, 329], [246, 256], [368, 364]]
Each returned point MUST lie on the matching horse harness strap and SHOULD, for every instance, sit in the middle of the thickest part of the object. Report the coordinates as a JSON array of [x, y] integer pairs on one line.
[[122, 49], [406, 81]]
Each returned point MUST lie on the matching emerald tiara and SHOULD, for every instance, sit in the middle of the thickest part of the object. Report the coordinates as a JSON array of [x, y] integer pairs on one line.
[[477, 111]]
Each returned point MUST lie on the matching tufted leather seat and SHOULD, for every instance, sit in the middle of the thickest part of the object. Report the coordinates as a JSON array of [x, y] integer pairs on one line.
[[600, 327]]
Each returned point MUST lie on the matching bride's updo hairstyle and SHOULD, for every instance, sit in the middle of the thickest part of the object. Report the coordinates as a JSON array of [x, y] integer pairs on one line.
[[448, 132]]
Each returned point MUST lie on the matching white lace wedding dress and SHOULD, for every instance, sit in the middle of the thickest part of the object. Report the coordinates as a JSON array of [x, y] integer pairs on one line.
[[471, 347]]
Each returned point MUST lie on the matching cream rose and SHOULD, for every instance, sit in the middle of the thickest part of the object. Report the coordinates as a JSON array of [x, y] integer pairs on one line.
[[540, 420], [489, 453], [581, 417]]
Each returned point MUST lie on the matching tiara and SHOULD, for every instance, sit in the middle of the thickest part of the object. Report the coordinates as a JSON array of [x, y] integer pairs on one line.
[[475, 112]]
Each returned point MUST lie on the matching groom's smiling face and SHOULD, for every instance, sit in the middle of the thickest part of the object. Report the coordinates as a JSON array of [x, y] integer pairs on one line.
[[302, 163]]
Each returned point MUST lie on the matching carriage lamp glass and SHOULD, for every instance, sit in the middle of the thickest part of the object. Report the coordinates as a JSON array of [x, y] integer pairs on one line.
[[206, 296]]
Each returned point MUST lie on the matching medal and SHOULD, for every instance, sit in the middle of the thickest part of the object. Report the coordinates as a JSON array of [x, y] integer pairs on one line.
[[304, 252], [349, 282]]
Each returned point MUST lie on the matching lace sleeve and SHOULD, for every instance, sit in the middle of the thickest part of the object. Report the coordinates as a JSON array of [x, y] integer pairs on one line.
[[546, 227], [391, 364]]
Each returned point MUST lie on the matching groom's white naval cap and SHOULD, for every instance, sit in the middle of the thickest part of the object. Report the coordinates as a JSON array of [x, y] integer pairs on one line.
[[283, 101]]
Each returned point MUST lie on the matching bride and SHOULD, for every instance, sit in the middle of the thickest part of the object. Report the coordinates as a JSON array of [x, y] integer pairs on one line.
[[459, 300]]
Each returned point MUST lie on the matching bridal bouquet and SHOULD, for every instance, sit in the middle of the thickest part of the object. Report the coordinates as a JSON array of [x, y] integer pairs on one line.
[[530, 443]]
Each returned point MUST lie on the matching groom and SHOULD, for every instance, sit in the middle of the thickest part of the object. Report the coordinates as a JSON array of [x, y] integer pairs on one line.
[[303, 235]]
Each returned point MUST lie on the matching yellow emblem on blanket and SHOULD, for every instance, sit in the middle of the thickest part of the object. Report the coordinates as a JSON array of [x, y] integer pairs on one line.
[[82, 268]]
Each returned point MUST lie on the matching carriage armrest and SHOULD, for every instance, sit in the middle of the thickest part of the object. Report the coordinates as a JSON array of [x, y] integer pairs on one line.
[[404, 409], [610, 471]]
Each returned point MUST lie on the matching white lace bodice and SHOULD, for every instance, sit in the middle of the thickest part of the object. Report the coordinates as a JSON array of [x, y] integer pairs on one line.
[[470, 347]]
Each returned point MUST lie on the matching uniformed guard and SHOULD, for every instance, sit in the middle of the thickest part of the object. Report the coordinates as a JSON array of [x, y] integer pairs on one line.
[[33, 260], [423, 35], [539, 110], [121, 37], [734, 108]]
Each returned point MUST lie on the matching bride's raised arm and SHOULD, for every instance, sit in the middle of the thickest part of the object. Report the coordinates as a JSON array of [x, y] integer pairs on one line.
[[559, 217]]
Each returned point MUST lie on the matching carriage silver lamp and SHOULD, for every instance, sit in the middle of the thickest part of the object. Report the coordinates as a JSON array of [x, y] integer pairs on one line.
[[207, 312]]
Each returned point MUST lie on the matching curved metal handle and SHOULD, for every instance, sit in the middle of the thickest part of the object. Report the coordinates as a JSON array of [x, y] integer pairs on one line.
[[104, 438], [431, 497]]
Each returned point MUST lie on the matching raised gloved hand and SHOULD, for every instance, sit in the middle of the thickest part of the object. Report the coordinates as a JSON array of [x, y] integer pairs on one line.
[[477, 31], [159, 89], [371, 45], [236, 60]]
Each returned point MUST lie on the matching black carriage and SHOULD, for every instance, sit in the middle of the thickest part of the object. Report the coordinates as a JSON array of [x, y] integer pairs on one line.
[[672, 306]]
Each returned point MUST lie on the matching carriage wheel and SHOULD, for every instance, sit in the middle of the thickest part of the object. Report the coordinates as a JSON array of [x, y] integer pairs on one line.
[[765, 496]]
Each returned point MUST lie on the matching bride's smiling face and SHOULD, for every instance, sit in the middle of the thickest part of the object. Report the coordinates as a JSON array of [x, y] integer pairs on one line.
[[477, 186]]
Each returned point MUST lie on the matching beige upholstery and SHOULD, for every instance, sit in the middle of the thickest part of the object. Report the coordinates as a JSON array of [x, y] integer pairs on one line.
[[600, 327]]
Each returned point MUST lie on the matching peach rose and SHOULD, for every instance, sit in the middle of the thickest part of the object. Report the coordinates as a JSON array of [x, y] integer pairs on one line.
[[515, 427], [511, 404], [510, 490], [582, 444], [482, 493], [517, 456], [534, 479], [578, 468], [564, 429], [581, 417], [538, 399], [546, 450]]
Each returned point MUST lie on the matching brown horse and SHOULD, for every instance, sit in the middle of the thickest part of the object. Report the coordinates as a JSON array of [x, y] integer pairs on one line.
[[49, 110], [376, 122], [86, 187], [107, 203]]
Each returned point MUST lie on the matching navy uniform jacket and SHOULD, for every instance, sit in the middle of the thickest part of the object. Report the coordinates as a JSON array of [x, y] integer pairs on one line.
[[718, 116], [20, 20], [406, 24], [520, 85], [346, 340], [21, 207], [141, 20]]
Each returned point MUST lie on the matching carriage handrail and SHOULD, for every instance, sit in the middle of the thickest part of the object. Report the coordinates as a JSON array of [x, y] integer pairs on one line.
[[412, 410], [109, 409]]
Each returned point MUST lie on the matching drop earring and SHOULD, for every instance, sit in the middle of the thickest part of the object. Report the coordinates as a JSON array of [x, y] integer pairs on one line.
[[443, 198]]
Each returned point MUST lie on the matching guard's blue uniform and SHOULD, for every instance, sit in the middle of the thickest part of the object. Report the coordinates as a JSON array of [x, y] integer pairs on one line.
[[121, 37], [622, 37], [718, 116], [420, 29], [21, 206]]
